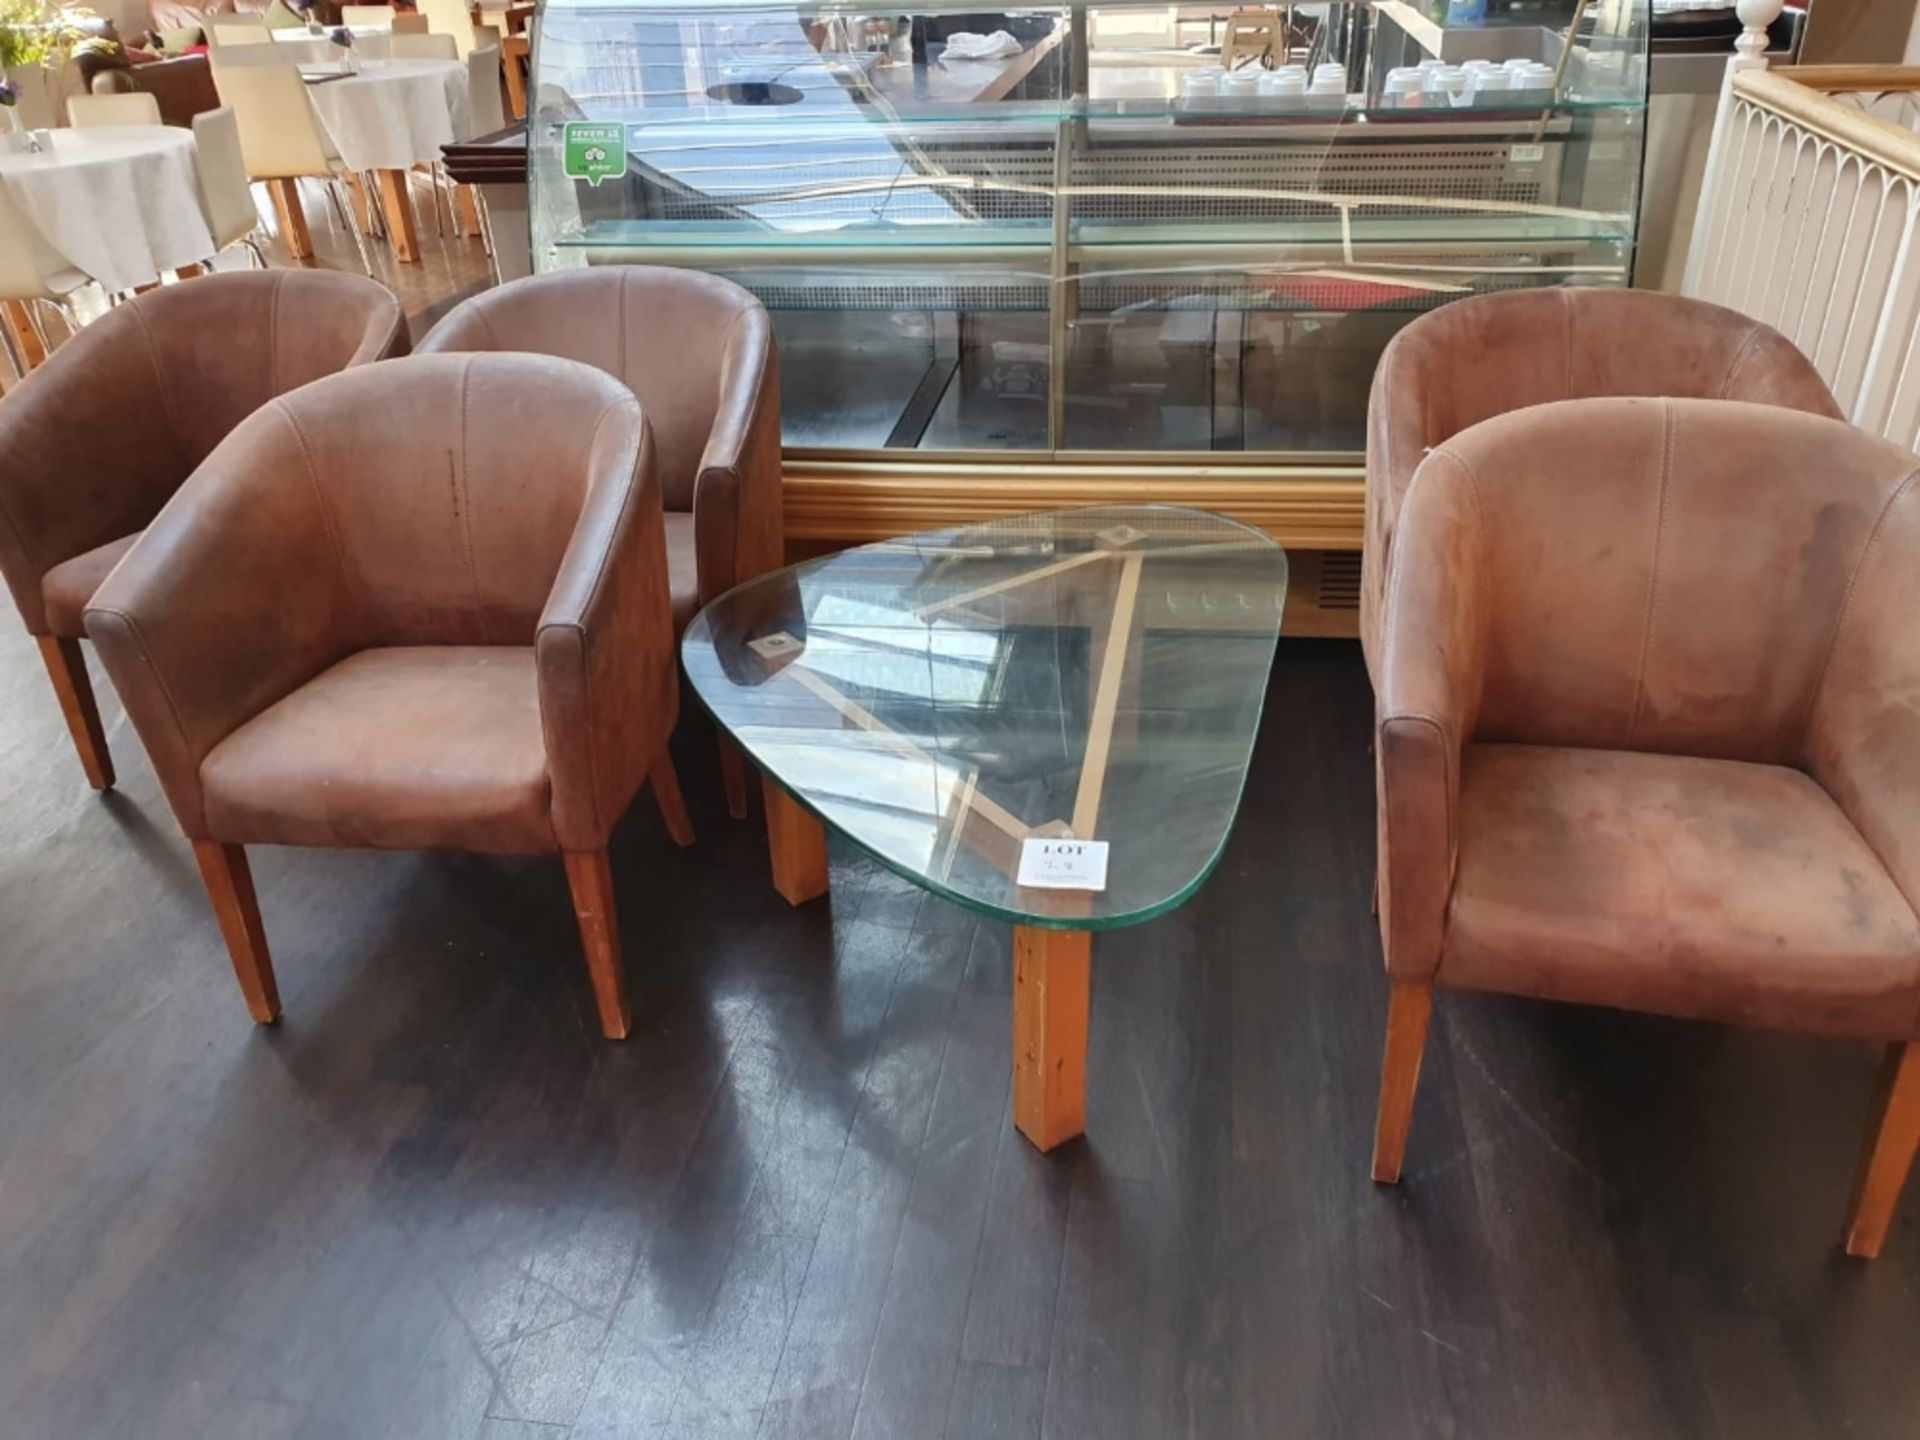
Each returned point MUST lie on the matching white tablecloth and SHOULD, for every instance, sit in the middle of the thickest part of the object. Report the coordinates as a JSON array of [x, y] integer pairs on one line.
[[302, 47], [118, 202], [394, 114]]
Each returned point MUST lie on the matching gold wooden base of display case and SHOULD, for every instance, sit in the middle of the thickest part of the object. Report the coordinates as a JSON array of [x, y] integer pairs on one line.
[[1315, 509]]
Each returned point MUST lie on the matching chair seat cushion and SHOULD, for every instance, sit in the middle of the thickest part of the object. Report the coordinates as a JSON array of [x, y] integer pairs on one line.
[[683, 571], [418, 748], [1704, 888], [68, 587]]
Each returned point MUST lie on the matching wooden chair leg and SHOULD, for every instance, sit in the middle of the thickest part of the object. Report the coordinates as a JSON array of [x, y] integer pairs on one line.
[[1883, 1169], [673, 805], [230, 885], [293, 218], [67, 668], [733, 773], [592, 883], [1407, 1015]]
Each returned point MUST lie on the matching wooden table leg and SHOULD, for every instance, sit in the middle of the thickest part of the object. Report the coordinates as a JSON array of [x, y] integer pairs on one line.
[[293, 219], [1052, 988], [466, 211], [362, 207], [514, 52], [798, 844], [397, 200], [32, 352]]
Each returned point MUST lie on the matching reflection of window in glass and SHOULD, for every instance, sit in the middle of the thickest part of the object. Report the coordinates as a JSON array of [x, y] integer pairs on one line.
[[879, 649], [905, 798]]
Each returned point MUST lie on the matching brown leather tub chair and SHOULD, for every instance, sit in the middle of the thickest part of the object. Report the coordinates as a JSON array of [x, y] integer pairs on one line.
[[418, 607], [1648, 735], [96, 440], [1474, 359], [699, 353]]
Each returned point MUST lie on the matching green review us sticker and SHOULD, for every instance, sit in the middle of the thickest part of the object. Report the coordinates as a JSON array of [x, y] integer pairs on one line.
[[594, 152]]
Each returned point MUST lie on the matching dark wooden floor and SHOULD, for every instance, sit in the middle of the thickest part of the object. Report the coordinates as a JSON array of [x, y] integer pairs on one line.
[[433, 1202]]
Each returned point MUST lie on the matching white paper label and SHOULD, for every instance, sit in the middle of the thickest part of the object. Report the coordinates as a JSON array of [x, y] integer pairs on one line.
[[1047, 863], [1527, 154]]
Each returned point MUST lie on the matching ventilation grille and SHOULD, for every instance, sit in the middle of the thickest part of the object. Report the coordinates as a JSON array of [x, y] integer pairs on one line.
[[1339, 587]]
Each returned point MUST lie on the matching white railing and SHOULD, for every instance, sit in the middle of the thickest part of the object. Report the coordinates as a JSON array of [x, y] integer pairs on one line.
[[1810, 220]]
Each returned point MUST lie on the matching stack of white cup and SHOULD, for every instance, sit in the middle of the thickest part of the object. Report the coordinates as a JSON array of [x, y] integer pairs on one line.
[[1200, 88], [1530, 75], [1484, 75], [1446, 85], [1329, 87], [1240, 90], [1286, 86], [1402, 86]]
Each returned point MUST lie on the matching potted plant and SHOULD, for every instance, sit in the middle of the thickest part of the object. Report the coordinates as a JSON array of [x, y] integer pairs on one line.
[[36, 38]]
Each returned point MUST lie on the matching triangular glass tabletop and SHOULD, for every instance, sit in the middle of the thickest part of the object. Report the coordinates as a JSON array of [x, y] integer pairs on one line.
[[944, 698]]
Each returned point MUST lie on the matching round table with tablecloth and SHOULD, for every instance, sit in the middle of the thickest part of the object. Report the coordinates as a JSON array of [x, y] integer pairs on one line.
[[389, 117], [120, 203], [393, 114]]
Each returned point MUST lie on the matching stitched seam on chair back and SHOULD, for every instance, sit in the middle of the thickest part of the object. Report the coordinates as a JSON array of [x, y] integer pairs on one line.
[[160, 377], [1739, 358], [327, 519], [480, 313], [370, 349], [1566, 322], [1653, 579], [463, 503], [273, 333], [1846, 609], [627, 285]]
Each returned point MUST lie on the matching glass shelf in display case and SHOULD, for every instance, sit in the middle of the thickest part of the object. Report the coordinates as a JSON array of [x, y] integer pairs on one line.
[[1094, 237]]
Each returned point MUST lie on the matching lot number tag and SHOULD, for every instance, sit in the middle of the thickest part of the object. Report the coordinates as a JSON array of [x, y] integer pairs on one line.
[[594, 152], [1062, 864]]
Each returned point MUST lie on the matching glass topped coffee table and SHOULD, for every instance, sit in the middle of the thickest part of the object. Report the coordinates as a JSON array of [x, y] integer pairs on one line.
[[1046, 718]]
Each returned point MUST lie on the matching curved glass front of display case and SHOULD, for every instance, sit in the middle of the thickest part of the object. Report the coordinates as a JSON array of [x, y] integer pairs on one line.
[[1138, 228]]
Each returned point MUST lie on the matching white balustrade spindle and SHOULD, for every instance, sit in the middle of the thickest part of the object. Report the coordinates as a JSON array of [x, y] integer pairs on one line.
[[1808, 221]]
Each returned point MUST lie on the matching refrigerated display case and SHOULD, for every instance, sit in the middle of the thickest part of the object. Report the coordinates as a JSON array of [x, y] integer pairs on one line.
[[1075, 237]]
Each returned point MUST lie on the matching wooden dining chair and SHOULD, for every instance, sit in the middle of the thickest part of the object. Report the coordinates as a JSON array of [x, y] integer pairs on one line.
[[434, 46], [226, 192], [451, 18], [282, 142], [516, 50], [127, 107], [486, 112], [226, 30], [1249, 37]]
